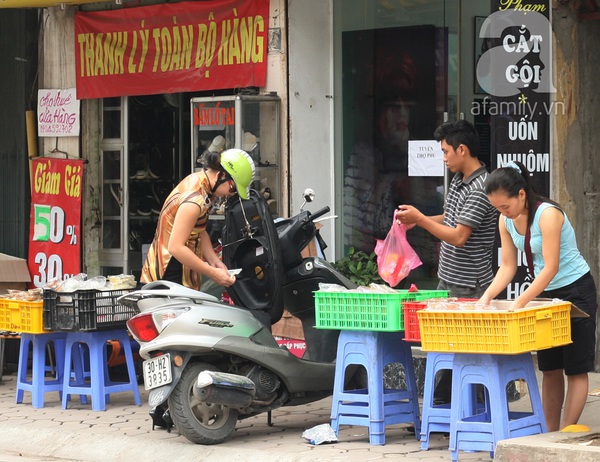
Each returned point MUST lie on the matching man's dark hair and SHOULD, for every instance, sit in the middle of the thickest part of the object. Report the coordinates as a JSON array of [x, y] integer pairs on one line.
[[459, 132]]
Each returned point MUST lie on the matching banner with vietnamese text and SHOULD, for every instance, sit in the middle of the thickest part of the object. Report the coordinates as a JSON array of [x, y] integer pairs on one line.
[[55, 221], [171, 48]]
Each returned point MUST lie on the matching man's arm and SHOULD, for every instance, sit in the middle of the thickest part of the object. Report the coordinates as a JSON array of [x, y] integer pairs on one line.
[[458, 236]]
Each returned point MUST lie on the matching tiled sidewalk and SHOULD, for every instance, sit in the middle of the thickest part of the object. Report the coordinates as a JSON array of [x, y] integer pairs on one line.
[[125, 430]]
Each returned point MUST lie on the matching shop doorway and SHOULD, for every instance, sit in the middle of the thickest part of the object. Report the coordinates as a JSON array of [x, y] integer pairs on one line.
[[404, 68], [144, 153]]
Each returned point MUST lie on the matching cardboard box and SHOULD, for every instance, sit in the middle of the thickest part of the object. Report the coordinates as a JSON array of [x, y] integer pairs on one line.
[[14, 273], [288, 327]]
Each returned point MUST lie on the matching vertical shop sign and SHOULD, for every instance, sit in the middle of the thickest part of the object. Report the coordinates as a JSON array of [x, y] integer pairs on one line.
[[515, 70], [55, 231], [58, 113], [171, 48]]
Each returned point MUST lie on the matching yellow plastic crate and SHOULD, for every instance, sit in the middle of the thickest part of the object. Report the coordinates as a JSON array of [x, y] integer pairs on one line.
[[4, 315], [22, 316], [538, 326]]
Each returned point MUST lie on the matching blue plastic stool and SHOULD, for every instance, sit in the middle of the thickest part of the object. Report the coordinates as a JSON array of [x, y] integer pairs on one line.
[[80, 368], [98, 385], [436, 417], [38, 385], [374, 407], [471, 431]]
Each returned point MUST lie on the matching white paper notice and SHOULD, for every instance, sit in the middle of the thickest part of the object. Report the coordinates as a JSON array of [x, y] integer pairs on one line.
[[58, 112], [425, 158]]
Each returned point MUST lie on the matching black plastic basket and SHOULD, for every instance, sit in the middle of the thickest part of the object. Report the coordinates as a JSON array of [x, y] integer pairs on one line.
[[85, 310]]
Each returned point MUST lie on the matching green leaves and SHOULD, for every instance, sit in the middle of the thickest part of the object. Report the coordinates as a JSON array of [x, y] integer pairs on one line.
[[359, 267]]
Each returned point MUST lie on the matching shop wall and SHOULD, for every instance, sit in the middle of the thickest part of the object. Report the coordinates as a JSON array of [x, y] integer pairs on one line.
[[311, 107], [277, 82], [57, 66], [18, 61], [57, 70], [576, 111], [470, 10]]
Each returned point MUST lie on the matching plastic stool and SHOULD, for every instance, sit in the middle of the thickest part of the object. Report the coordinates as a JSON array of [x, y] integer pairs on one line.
[[436, 417], [80, 368], [374, 407], [99, 386], [38, 385], [470, 431]]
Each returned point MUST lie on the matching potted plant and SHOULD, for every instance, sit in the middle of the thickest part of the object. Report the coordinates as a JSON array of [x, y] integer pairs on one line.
[[359, 267]]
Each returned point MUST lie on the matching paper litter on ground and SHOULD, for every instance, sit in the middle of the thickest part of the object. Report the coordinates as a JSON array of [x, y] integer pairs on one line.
[[320, 434]]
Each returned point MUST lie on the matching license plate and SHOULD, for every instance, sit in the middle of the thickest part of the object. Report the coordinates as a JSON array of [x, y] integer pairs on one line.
[[157, 372]]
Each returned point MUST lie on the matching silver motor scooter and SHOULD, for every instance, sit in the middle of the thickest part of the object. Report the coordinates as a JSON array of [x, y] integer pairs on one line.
[[214, 363]]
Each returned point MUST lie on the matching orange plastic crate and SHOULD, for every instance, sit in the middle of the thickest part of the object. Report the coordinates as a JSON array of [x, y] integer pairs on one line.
[[22, 316], [538, 326]]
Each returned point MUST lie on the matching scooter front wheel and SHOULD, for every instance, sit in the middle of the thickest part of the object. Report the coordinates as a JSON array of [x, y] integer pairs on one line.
[[199, 422]]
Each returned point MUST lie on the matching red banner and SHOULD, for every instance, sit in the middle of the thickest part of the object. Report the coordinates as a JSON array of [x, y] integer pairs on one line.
[[171, 48], [55, 231]]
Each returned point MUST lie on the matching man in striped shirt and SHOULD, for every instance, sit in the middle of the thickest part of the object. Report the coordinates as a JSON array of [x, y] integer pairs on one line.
[[467, 226]]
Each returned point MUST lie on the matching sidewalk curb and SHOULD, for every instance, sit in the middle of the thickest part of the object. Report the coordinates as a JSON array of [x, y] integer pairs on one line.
[[550, 446]]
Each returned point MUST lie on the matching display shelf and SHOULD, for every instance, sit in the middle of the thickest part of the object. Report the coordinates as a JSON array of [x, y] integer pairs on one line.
[[248, 122]]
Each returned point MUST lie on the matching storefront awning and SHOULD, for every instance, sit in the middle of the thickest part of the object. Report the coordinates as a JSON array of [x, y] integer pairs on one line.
[[45, 3]]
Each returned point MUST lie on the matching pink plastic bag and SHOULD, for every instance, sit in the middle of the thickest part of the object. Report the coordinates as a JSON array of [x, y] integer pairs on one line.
[[395, 257]]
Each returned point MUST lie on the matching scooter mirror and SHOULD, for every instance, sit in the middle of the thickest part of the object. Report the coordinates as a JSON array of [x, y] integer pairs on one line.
[[309, 195]]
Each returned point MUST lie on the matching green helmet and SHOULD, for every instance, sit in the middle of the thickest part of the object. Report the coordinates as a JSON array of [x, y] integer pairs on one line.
[[241, 168]]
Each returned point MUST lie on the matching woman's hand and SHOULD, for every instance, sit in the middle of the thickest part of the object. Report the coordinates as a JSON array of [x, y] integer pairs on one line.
[[517, 305], [217, 263], [220, 273], [484, 300], [222, 277]]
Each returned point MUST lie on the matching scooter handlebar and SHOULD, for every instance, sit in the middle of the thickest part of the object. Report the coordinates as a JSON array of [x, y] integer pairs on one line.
[[320, 213]]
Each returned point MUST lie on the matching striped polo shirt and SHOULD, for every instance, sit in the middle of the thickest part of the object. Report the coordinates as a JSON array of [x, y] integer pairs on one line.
[[467, 204]]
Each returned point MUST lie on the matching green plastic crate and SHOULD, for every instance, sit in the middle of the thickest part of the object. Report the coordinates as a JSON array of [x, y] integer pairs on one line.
[[366, 310]]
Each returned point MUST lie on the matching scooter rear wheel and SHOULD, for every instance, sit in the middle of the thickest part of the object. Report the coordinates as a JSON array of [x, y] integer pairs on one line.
[[199, 422]]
